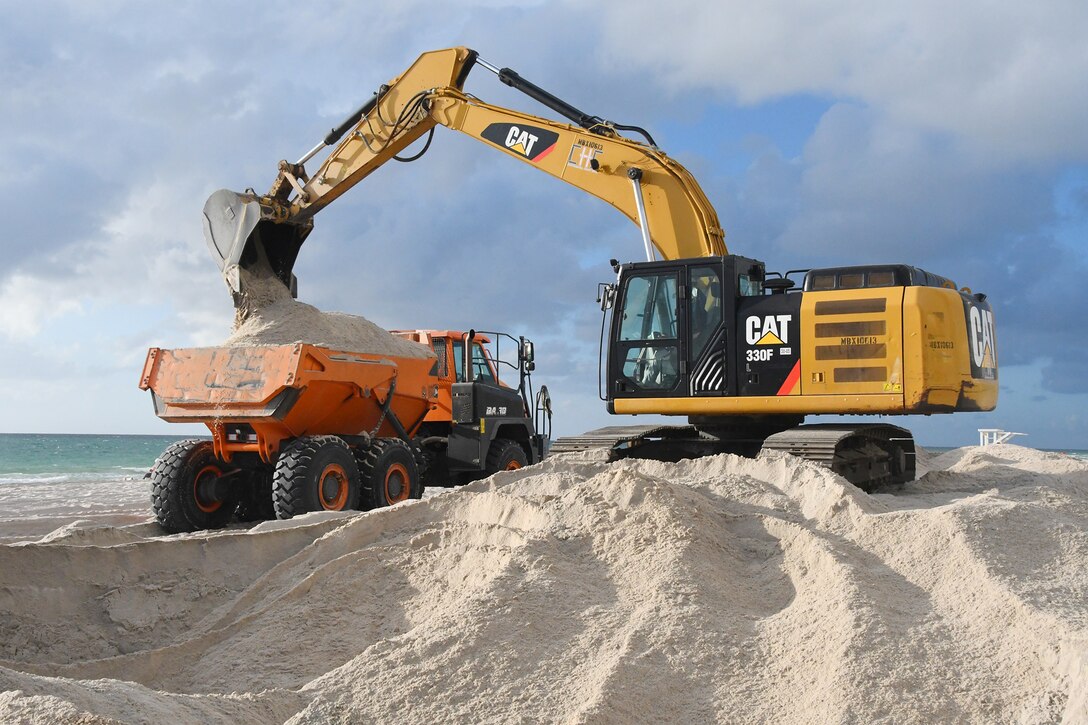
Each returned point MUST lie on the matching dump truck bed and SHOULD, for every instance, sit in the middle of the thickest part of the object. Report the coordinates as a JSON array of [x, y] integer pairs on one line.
[[266, 394]]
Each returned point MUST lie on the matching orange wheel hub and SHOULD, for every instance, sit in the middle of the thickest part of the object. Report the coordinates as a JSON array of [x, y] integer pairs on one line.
[[204, 489], [397, 483], [332, 488]]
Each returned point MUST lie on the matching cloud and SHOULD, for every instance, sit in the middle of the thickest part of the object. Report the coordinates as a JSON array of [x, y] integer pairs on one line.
[[867, 189], [933, 135], [25, 304], [1008, 79]]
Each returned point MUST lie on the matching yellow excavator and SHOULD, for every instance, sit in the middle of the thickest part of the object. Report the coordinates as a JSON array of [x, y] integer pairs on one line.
[[744, 353]]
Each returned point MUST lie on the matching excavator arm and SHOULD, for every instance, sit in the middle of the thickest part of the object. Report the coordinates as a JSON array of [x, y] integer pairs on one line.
[[648, 187]]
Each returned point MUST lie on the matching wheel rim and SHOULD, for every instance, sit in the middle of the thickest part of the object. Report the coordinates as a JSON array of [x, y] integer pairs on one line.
[[204, 489], [332, 489], [397, 486], [513, 466]]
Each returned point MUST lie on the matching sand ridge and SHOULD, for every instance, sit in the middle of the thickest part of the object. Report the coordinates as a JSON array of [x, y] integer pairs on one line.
[[576, 590]]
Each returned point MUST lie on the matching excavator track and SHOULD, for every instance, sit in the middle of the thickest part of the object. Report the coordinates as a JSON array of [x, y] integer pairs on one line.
[[868, 456], [658, 442]]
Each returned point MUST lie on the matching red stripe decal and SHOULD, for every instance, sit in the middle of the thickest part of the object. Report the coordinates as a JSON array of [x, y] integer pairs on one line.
[[544, 153], [791, 380]]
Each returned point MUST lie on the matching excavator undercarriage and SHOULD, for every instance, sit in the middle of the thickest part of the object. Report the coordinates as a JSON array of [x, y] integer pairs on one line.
[[868, 455]]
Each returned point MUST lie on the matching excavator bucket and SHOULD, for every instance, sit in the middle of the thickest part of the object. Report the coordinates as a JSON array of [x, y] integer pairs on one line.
[[239, 238]]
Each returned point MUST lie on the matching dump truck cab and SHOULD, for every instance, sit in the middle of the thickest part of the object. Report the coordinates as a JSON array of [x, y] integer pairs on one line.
[[486, 417]]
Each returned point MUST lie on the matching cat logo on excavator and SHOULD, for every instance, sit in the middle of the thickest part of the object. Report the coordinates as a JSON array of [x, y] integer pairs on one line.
[[527, 141], [768, 330]]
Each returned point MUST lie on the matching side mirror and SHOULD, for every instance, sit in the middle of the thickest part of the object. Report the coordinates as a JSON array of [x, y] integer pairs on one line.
[[528, 354], [606, 295]]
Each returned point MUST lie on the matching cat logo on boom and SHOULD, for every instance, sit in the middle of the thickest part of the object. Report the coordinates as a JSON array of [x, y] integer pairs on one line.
[[767, 330], [526, 141]]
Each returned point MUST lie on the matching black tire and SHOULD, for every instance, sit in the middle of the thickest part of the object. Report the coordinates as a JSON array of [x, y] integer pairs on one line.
[[183, 491], [256, 499], [389, 474], [314, 473], [505, 455]]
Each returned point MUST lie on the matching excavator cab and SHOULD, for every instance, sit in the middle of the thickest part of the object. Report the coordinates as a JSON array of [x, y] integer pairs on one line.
[[719, 330], [672, 326]]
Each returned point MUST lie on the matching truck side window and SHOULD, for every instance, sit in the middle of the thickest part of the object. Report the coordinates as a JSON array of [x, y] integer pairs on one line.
[[481, 371], [438, 344], [459, 359]]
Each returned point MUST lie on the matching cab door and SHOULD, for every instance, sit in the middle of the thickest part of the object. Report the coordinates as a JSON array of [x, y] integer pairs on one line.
[[707, 334], [647, 357]]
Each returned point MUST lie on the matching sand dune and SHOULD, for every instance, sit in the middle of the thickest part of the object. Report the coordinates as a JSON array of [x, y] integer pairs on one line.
[[579, 591]]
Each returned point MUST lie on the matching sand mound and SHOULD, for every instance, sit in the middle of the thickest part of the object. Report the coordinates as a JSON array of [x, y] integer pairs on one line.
[[722, 589], [268, 315]]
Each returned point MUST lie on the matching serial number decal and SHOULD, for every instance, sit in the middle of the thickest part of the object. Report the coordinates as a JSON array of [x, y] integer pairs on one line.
[[864, 340], [583, 154], [942, 345]]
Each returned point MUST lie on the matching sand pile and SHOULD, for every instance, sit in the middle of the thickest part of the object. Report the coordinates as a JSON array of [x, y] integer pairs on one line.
[[268, 315], [724, 589]]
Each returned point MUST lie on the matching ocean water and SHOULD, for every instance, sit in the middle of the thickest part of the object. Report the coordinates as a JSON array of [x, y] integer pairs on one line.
[[1080, 453], [53, 458]]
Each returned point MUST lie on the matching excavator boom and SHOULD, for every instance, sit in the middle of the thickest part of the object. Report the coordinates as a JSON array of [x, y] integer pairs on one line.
[[654, 191]]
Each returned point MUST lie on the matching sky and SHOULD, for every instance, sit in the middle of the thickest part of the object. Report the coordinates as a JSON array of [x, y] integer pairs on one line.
[[950, 137]]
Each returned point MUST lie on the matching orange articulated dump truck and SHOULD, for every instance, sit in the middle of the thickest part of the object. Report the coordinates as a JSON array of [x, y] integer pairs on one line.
[[298, 428]]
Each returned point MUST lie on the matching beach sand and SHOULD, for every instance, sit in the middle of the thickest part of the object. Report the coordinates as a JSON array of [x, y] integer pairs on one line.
[[723, 589]]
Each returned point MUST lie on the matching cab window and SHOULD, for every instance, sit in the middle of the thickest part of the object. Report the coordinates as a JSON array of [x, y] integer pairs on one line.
[[649, 309], [748, 287], [704, 307], [481, 371], [649, 321], [438, 344]]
